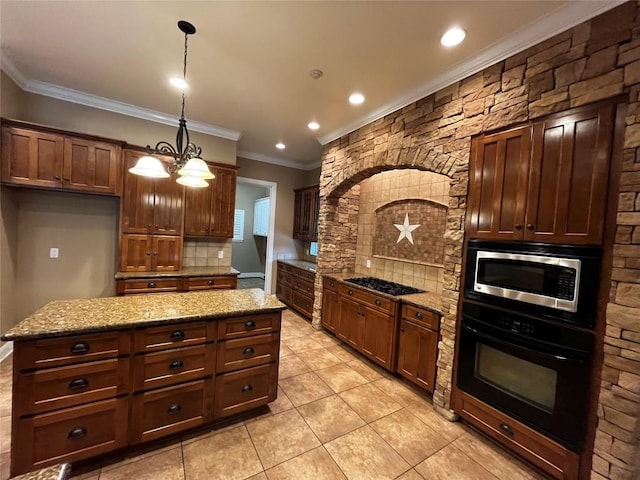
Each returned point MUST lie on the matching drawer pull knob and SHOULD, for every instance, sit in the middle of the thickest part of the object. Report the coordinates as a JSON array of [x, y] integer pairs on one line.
[[419, 315], [151, 284], [210, 282], [247, 389], [78, 383], [350, 292], [175, 365], [518, 226], [250, 325], [506, 429], [77, 433], [378, 302], [173, 409], [177, 335], [530, 226], [332, 284], [248, 351], [79, 348]]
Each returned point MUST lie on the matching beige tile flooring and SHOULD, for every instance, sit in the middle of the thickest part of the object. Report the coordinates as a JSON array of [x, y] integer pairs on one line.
[[337, 416]]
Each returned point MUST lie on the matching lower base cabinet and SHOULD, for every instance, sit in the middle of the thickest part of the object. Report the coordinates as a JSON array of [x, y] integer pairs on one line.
[[295, 287], [135, 286], [244, 390]]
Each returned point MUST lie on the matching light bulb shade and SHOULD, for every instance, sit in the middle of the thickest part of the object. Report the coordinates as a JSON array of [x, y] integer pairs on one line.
[[196, 167], [190, 181], [148, 166]]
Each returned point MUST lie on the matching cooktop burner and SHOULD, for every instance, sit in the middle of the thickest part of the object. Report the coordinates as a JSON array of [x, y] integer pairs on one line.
[[384, 286]]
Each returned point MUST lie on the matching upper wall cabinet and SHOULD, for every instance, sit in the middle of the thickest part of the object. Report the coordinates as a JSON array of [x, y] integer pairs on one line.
[[209, 211], [305, 216], [47, 159], [150, 205], [545, 182]]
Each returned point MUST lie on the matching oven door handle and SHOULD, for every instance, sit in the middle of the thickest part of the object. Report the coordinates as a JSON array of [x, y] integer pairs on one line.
[[555, 356]]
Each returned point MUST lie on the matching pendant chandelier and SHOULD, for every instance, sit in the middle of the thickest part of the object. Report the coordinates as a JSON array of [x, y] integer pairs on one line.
[[192, 170]]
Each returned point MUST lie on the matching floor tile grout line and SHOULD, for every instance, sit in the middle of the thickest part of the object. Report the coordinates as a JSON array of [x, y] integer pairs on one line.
[[255, 449]]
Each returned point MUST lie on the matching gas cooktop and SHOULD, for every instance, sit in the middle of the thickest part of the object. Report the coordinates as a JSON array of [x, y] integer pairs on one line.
[[384, 286]]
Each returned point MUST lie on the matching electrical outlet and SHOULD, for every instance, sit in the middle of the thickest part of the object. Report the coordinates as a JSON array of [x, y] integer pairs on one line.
[[220, 253], [54, 252], [368, 263]]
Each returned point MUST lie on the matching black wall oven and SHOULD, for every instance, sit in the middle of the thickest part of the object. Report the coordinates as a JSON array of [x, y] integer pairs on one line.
[[536, 371], [554, 281]]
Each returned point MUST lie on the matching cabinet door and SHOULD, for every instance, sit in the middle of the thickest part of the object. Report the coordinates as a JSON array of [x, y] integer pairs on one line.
[[351, 326], [417, 354], [298, 212], [224, 201], [378, 336], [568, 180], [197, 211], [167, 253], [315, 215], [168, 201], [91, 166], [135, 253], [497, 184], [330, 310], [137, 198], [31, 158]]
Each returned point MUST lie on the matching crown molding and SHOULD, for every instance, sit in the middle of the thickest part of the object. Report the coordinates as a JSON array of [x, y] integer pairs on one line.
[[259, 157], [552, 24], [9, 67]]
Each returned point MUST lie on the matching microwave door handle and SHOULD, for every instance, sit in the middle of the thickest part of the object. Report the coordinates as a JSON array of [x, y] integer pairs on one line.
[[555, 356]]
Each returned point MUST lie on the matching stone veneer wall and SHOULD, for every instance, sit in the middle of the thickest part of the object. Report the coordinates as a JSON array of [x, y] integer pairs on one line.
[[595, 60]]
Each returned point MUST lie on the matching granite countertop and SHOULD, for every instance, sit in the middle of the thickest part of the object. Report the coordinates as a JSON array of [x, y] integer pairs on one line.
[[301, 264], [185, 272], [429, 300], [56, 472], [66, 317]]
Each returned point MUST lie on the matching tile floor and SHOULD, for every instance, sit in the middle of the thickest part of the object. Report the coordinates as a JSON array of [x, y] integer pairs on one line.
[[337, 416], [250, 283]]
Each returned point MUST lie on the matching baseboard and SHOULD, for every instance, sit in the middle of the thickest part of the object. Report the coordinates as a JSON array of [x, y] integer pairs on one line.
[[5, 350], [251, 275]]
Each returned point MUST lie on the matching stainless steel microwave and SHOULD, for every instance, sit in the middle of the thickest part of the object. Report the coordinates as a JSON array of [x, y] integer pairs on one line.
[[560, 281]]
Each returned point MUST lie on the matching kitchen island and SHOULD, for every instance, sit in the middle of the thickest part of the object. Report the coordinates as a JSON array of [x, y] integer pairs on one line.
[[94, 376]]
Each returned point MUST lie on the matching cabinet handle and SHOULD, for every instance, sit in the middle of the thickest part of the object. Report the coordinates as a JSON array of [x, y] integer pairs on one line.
[[148, 254], [66, 179], [151, 285], [155, 253], [250, 325], [378, 302], [518, 226], [149, 226], [332, 284], [173, 409], [506, 429], [77, 433], [78, 383], [350, 292], [402, 329], [79, 348], [530, 226], [57, 178], [419, 315], [247, 389], [175, 365], [177, 335], [248, 351], [210, 282]]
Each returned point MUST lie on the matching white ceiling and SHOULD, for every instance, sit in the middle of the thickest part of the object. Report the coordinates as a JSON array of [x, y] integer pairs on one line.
[[249, 61]]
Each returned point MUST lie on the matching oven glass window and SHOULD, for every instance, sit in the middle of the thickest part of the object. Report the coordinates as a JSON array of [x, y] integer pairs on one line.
[[523, 276], [529, 382]]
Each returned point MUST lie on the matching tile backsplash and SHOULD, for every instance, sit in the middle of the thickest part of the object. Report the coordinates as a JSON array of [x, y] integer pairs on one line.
[[204, 253]]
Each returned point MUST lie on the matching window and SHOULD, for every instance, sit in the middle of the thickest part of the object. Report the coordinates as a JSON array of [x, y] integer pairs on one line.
[[238, 226], [313, 248]]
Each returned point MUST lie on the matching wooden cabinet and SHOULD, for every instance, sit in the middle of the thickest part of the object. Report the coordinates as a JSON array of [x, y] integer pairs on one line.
[[296, 287], [209, 211], [222, 282], [135, 286], [330, 317], [149, 253], [49, 159], [305, 217], [418, 346], [545, 182]]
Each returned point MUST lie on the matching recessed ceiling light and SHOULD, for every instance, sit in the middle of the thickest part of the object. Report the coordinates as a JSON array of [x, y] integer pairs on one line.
[[280, 146], [313, 125], [179, 83], [356, 98], [453, 36]]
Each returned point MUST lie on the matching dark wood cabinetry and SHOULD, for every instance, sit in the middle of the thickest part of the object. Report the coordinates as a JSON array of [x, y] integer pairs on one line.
[[209, 211], [145, 253], [330, 305], [295, 287], [418, 346], [545, 182], [51, 159], [135, 286], [305, 218]]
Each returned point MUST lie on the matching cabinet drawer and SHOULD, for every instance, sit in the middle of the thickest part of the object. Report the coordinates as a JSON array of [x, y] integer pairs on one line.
[[155, 285], [285, 278], [247, 326], [247, 352], [245, 389], [305, 275], [171, 410], [374, 301], [211, 283], [283, 267], [70, 435], [303, 302], [62, 387], [330, 284], [303, 286], [421, 316], [172, 336], [53, 352], [178, 365]]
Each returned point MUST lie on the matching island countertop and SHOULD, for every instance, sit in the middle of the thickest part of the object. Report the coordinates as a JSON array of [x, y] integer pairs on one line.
[[67, 317]]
